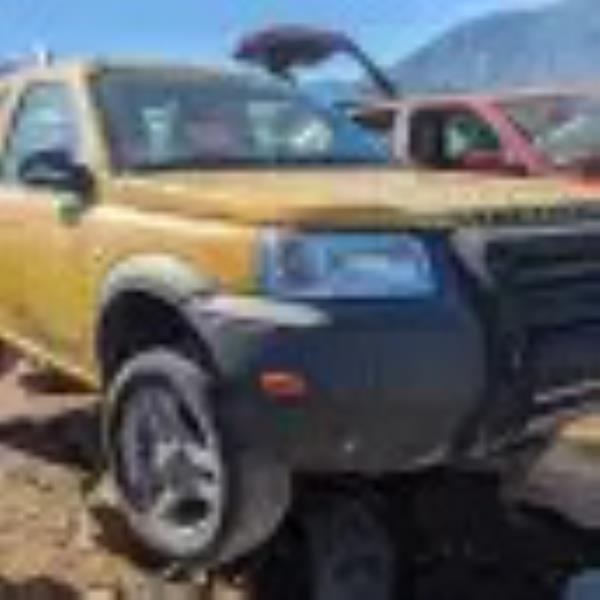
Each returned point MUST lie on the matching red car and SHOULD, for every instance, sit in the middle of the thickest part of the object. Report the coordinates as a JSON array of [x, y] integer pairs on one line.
[[519, 133], [526, 132]]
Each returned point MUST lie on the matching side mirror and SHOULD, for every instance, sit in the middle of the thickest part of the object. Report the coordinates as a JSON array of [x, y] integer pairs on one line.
[[55, 169]]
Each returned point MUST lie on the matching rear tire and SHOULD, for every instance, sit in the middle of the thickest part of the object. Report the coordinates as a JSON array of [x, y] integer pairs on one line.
[[186, 493]]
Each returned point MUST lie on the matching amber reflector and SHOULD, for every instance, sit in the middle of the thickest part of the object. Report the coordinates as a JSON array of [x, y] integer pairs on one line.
[[283, 385]]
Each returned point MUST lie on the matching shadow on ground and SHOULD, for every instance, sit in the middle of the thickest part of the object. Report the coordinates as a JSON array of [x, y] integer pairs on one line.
[[44, 423], [42, 588], [71, 439]]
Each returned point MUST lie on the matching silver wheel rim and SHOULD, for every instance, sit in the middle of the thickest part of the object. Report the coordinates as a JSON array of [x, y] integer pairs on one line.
[[170, 469]]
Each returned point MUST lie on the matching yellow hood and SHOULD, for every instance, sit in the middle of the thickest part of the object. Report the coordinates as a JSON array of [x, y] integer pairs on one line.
[[349, 198]]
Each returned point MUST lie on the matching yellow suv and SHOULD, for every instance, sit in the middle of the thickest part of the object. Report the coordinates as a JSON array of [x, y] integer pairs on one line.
[[259, 296]]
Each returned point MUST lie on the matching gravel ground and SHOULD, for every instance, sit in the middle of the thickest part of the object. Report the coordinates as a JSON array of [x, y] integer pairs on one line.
[[50, 547]]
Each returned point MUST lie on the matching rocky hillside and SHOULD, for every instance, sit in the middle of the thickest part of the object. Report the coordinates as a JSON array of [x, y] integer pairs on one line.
[[556, 43]]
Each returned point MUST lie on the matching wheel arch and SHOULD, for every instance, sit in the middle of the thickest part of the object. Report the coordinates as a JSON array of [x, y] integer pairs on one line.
[[148, 289]]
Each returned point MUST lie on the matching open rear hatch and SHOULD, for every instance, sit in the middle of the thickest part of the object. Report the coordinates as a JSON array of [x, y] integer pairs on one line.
[[281, 50]]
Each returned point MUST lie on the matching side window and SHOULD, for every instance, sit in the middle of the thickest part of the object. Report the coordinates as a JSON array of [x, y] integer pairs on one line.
[[46, 120], [464, 133]]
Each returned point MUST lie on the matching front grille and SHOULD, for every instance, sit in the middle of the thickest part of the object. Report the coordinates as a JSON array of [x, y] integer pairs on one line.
[[538, 294], [546, 282], [546, 307]]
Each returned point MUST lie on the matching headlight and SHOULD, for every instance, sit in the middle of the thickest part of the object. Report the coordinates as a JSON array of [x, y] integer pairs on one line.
[[345, 265]]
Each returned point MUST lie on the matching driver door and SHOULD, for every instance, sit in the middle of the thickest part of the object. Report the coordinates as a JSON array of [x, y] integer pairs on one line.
[[50, 249]]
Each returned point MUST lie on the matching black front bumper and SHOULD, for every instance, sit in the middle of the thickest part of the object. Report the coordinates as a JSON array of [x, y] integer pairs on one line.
[[391, 384]]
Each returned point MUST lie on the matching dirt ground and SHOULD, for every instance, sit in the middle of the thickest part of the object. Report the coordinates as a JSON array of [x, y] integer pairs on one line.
[[50, 547]]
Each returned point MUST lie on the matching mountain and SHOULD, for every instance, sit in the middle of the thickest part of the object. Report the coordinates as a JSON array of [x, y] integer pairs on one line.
[[559, 43]]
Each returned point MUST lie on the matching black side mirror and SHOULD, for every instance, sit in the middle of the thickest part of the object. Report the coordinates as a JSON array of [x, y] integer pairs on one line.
[[55, 169]]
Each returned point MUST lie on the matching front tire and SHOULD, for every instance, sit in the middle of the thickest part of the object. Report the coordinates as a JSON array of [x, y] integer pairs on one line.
[[183, 489]]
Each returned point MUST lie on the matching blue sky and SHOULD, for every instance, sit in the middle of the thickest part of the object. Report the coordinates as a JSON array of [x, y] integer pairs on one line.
[[207, 29]]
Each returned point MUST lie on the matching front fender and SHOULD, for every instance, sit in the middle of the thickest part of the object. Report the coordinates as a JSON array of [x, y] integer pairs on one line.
[[165, 277]]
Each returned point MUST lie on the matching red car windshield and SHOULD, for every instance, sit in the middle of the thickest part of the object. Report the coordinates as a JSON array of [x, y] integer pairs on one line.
[[566, 128]]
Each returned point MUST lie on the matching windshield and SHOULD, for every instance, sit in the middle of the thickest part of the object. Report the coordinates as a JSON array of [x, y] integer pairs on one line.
[[565, 128], [179, 119]]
